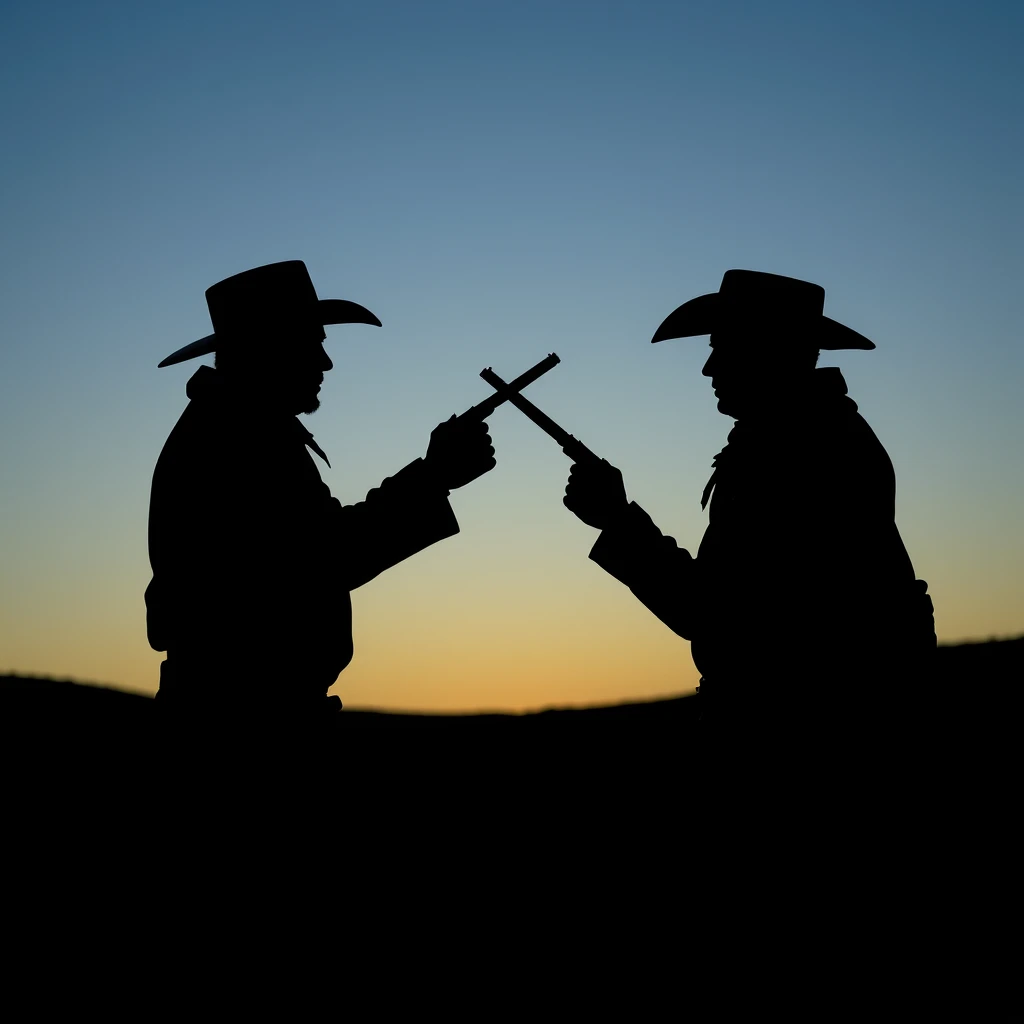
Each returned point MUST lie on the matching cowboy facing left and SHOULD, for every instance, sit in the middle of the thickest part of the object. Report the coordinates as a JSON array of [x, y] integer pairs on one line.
[[253, 559]]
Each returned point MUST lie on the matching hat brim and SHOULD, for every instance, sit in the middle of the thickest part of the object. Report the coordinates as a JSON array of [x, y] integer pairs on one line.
[[330, 311], [703, 314], [698, 316]]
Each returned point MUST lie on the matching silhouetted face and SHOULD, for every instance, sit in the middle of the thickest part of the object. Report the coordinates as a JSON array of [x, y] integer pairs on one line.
[[285, 375], [750, 369], [299, 375]]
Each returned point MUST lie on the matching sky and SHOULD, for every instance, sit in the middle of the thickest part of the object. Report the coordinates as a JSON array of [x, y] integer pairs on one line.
[[497, 181]]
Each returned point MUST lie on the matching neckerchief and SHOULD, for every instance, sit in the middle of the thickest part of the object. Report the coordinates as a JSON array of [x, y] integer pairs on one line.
[[307, 440]]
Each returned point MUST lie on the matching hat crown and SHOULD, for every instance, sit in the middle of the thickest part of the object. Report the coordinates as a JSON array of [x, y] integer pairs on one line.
[[764, 294], [264, 298]]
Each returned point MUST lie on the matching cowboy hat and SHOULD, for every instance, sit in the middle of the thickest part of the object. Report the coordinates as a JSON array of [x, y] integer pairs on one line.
[[750, 297], [275, 297]]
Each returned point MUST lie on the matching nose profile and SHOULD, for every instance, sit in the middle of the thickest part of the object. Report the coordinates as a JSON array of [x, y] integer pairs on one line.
[[709, 368], [325, 360]]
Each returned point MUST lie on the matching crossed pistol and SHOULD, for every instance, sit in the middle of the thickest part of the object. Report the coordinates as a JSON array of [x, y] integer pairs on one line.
[[575, 449]]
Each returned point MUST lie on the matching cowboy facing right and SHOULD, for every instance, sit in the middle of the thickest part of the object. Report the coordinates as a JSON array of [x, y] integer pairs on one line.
[[801, 604]]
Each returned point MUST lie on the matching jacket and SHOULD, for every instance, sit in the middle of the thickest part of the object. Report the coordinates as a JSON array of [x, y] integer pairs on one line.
[[253, 560], [801, 576]]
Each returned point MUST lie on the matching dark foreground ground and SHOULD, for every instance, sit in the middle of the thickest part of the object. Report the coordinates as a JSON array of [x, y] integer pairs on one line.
[[512, 846], [968, 727]]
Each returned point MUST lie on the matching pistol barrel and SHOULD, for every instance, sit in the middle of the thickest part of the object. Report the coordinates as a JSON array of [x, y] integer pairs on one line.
[[574, 448], [488, 405]]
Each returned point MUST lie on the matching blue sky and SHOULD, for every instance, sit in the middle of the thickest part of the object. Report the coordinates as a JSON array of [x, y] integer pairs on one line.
[[497, 181]]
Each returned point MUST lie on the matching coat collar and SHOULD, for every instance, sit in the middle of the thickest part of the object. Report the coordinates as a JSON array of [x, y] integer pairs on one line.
[[207, 387], [825, 396]]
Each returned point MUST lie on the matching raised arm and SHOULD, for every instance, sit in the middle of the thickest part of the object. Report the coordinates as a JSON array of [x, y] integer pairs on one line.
[[631, 548]]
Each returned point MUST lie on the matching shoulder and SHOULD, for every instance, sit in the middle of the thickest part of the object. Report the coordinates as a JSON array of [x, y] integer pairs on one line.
[[856, 472], [864, 447]]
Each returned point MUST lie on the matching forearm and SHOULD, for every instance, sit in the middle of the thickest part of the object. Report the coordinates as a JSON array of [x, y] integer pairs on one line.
[[407, 513], [660, 574]]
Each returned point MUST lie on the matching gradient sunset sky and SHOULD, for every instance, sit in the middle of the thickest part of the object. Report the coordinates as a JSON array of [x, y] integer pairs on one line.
[[496, 181]]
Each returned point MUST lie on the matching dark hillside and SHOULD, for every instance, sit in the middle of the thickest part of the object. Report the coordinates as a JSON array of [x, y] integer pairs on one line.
[[973, 680]]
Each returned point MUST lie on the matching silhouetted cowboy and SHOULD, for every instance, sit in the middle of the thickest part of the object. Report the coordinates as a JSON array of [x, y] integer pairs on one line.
[[802, 599], [252, 558]]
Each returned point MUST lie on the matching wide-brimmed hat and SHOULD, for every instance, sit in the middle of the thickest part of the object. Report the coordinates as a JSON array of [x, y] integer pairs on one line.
[[276, 298], [750, 298]]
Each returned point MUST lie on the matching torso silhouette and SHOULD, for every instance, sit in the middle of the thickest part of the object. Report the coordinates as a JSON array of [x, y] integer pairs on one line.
[[253, 559], [802, 592]]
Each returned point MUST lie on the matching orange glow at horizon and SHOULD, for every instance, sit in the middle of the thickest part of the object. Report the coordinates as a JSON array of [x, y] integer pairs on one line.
[[465, 626]]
